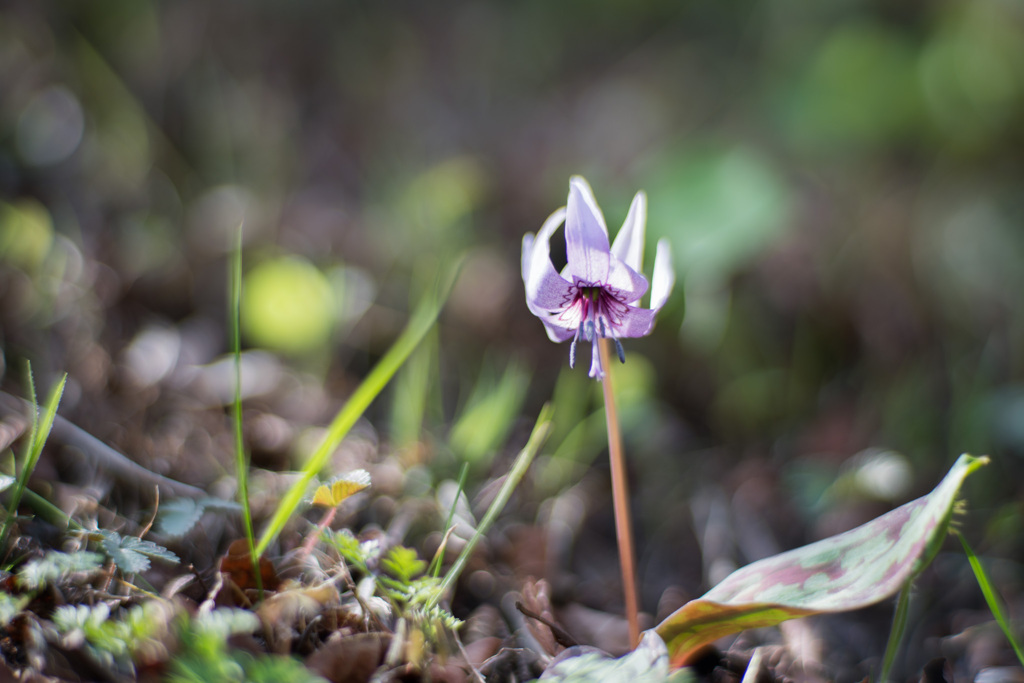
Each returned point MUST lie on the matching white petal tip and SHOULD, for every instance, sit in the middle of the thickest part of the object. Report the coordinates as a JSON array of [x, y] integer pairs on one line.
[[664, 275]]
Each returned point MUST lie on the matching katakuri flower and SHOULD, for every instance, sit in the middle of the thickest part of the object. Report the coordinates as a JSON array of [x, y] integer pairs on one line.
[[597, 293]]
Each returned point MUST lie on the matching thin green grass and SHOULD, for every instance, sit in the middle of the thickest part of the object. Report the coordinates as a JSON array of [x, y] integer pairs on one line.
[[995, 603], [522, 463], [241, 457], [422, 321], [435, 564], [412, 393], [41, 426], [899, 625]]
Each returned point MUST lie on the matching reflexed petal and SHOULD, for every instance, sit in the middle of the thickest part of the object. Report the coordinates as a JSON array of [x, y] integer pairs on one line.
[[586, 237], [545, 289], [664, 275], [629, 243], [524, 260], [626, 284], [557, 333], [638, 322], [541, 242]]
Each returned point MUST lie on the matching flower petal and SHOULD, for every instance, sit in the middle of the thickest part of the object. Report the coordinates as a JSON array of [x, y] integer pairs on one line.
[[629, 243], [557, 333], [586, 236], [664, 275], [625, 284], [637, 322], [545, 288]]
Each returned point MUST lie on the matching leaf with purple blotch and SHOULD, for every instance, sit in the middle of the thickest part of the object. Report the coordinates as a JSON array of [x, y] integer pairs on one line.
[[838, 574]]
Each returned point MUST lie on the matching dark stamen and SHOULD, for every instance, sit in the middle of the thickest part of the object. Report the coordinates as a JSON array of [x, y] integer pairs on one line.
[[620, 350]]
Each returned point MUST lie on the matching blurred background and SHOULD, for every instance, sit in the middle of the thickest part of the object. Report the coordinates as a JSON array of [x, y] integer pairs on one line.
[[840, 183]]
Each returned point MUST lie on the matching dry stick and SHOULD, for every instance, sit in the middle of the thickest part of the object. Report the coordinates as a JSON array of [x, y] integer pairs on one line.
[[120, 467], [620, 498]]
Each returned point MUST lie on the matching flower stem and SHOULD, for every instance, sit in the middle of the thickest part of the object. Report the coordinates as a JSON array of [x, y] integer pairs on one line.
[[620, 498]]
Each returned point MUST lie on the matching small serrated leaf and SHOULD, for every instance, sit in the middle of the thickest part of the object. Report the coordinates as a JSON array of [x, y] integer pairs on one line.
[[333, 493], [126, 559], [54, 566], [177, 517], [131, 554], [150, 549], [403, 563]]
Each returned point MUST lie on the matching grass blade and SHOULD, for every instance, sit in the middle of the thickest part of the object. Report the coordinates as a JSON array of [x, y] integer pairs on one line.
[[241, 458], [995, 603], [519, 467], [899, 626], [421, 322], [435, 565], [41, 427]]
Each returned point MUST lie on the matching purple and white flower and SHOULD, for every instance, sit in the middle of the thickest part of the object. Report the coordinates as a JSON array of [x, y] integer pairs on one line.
[[597, 293]]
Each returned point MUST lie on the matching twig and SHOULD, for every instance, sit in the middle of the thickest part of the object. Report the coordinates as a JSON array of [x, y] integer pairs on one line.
[[562, 637], [123, 469], [156, 509]]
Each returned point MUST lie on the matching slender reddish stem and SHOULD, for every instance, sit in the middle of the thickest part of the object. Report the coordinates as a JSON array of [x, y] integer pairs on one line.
[[312, 539], [620, 498]]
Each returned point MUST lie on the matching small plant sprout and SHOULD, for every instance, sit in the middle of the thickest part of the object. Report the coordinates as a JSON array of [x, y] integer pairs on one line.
[[595, 299], [329, 496], [42, 421]]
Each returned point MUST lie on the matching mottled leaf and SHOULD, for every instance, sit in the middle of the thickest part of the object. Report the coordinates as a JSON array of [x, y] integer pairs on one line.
[[838, 574], [648, 663]]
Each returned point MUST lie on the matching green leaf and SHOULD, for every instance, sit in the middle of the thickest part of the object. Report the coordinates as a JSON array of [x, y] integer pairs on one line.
[[403, 563], [838, 574], [56, 565], [177, 517], [224, 622], [130, 554], [276, 668], [11, 606]]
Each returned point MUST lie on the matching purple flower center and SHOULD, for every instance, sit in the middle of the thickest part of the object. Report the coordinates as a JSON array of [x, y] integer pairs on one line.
[[598, 312]]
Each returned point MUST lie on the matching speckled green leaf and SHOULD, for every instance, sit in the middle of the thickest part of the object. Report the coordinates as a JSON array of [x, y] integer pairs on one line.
[[837, 574]]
